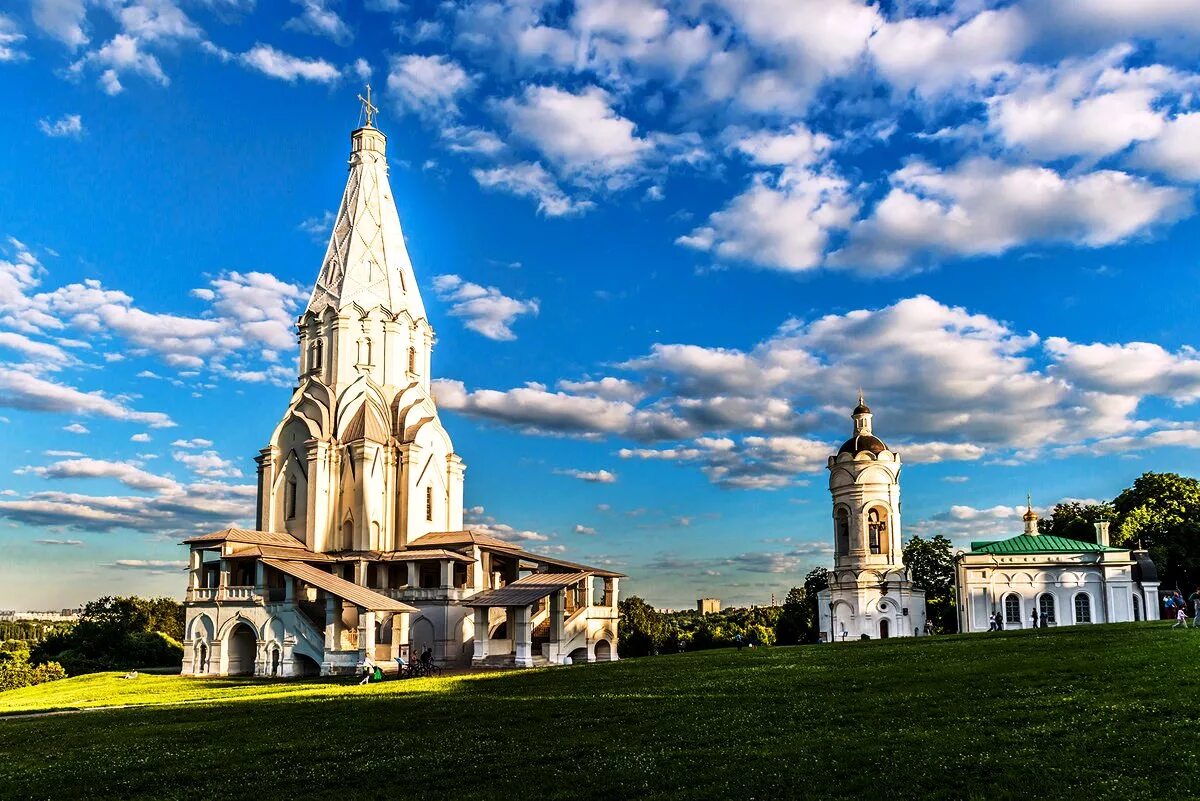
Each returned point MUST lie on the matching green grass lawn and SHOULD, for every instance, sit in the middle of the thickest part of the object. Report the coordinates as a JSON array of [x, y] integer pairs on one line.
[[1088, 712]]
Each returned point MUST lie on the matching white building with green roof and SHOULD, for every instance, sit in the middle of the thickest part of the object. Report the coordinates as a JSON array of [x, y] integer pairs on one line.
[[1042, 580]]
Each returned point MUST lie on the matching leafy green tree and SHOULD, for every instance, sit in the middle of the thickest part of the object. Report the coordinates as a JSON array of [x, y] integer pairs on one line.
[[117, 633], [1161, 511], [17, 672], [930, 565], [1076, 521], [793, 621], [640, 631]]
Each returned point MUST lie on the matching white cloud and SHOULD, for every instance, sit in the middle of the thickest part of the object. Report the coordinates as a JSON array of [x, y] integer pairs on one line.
[[286, 67], [48, 354], [983, 207], [318, 19], [208, 464], [142, 437], [1176, 151], [587, 531], [76, 428], [591, 476], [61, 19], [530, 179], [192, 443], [69, 543], [127, 473], [580, 132], [10, 38], [1131, 368], [69, 125], [427, 85], [485, 310], [1093, 108], [20, 390]]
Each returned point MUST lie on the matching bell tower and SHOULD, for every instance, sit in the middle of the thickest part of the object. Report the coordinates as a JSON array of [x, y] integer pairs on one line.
[[869, 591]]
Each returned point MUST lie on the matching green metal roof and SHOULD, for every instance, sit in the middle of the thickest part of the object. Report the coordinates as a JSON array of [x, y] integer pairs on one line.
[[1039, 543]]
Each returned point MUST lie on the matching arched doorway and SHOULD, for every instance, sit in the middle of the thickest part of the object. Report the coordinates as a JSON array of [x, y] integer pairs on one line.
[[884, 629], [422, 635], [305, 666], [603, 651], [200, 658], [241, 647], [275, 662], [1137, 609]]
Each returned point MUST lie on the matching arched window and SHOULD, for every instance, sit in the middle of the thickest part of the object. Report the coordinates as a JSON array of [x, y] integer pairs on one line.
[[841, 524], [289, 500], [1012, 608], [412, 360], [364, 351], [348, 534], [876, 529], [1083, 608], [1137, 608], [316, 352], [1046, 607]]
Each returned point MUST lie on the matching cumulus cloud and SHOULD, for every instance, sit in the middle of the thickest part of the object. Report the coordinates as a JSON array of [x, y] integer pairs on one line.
[[484, 310], [62, 20], [1175, 152], [126, 473], [286, 67], [590, 476], [208, 464], [10, 40], [580, 133], [68, 125], [21, 390], [318, 19], [530, 179], [984, 207], [427, 85]]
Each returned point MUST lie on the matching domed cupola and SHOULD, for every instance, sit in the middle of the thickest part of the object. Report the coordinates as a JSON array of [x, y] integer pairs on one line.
[[863, 439]]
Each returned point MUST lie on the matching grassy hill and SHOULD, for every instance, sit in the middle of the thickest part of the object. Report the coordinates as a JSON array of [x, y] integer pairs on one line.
[[1088, 712]]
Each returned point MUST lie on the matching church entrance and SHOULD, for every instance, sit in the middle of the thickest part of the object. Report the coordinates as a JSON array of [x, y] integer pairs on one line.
[[242, 646], [883, 629]]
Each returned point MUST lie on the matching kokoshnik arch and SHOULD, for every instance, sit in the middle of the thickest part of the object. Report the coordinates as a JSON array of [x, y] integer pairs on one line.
[[359, 552]]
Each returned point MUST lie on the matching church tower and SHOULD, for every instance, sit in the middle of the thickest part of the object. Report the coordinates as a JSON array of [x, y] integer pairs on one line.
[[360, 460], [869, 591]]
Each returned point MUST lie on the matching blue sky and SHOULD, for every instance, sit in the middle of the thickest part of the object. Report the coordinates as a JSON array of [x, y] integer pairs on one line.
[[662, 245]]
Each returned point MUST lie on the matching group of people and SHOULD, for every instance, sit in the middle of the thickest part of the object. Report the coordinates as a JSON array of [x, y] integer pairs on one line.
[[1176, 602], [1040, 621]]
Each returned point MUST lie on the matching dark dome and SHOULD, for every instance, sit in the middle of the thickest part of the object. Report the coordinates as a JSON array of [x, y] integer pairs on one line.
[[861, 408], [862, 442], [1144, 568]]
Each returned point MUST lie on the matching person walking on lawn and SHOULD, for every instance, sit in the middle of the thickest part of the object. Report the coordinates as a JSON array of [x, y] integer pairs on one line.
[[1194, 600], [1180, 618]]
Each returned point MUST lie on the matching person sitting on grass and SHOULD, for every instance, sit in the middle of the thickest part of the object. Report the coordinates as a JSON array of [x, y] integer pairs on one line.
[[133, 674]]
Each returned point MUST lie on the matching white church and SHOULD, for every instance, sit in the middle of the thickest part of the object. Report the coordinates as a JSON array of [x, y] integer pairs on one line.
[[359, 553], [869, 591]]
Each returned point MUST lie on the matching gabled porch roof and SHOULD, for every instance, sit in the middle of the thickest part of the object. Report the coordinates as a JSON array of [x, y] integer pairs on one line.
[[527, 590], [346, 590]]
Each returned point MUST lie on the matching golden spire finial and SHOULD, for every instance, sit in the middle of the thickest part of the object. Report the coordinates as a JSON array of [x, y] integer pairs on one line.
[[369, 108]]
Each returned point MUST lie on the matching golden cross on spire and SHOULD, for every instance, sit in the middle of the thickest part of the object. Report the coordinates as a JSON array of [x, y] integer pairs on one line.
[[369, 108]]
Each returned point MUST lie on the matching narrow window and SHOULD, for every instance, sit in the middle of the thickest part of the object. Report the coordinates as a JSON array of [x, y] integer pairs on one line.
[[842, 525], [317, 352], [876, 530], [429, 504], [412, 360], [1012, 609], [1083, 608], [289, 500]]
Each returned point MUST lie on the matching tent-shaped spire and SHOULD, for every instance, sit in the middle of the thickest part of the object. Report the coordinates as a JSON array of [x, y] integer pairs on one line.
[[366, 261]]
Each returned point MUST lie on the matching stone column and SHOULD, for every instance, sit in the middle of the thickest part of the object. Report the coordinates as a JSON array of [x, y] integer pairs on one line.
[[523, 637], [195, 563], [447, 571], [260, 578], [557, 601], [224, 580], [366, 633], [289, 589], [332, 618], [482, 615], [400, 635], [360, 573]]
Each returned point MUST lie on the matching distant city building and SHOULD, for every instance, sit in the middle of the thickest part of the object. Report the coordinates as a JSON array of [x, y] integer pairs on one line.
[[1043, 580], [55, 616], [708, 606], [869, 592], [359, 552]]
